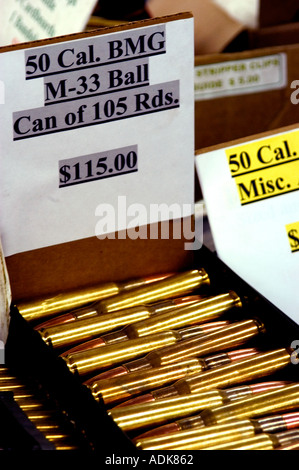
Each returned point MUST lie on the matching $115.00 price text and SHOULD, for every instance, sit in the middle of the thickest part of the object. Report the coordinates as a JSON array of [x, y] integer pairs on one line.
[[98, 166]]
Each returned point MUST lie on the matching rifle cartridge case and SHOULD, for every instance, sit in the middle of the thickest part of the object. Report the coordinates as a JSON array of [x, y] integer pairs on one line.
[[205, 310], [95, 359], [126, 386], [292, 446], [42, 415], [197, 330], [28, 403], [234, 393], [62, 302], [13, 386], [70, 333], [156, 307], [214, 435], [283, 399], [198, 439], [120, 335], [148, 414], [67, 334], [174, 286], [263, 441], [152, 413], [225, 338], [257, 366], [120, 388]]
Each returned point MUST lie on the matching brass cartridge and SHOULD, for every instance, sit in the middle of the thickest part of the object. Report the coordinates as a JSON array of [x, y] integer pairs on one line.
[[283, 399], [95, 359], [259, 365], [198, 312], [205, 310], [87, 312], [262, 441], [214, 435], [153, 413], [62, 302], [119, 388], [226, 338], [67, 334], [120, 335], [198, 439], [173, 286], [278, 422]]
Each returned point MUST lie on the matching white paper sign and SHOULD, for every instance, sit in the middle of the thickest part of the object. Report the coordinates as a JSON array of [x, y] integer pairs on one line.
[[240, 77], [30, 20], [104, 121], [252, 199]]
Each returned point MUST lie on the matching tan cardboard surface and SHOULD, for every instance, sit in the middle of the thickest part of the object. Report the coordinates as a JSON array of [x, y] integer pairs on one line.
[[232, 117], [87, 262]]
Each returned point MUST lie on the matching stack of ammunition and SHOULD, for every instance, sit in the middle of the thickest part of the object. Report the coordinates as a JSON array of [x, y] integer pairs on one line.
[[176, 364], [41, 412]]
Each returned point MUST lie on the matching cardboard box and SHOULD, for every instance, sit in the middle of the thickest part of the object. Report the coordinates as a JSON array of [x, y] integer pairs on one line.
[[275, 12], [29, 356], [232, 116], [277, 35]]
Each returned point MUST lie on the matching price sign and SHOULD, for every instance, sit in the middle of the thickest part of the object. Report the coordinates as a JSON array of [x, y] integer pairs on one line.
[[110, 109], [252, 199], [266, 168], [97, 166], [293, 236]]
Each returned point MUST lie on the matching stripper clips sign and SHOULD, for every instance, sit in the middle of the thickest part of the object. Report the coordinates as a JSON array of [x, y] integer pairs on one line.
[[89, 119], [251, 192]]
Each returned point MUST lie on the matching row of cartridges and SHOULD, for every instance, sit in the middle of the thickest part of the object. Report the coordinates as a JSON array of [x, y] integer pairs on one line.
[[175, 364]]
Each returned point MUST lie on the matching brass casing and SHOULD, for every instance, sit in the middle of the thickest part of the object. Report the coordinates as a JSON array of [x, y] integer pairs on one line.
[[223, 339], [172, 286], [49, 306], [92, 360], [282, 399], [197, 439], [152, 413], [259, 365], [43, 308], [119, 388], [200, 312], [67, 334], [259, 442]]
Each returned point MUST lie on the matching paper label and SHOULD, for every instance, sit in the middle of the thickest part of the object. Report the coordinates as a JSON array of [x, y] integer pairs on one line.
[[252, 199], [239, 77], [293, 236], [265, 168], [113, 111], [29, 20]]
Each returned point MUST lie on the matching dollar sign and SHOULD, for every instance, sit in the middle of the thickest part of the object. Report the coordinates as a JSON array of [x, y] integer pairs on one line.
[[65, 175], [295, 240]]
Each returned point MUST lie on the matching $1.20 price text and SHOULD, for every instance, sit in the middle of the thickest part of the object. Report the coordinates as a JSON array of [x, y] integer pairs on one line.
[[98, 166]]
